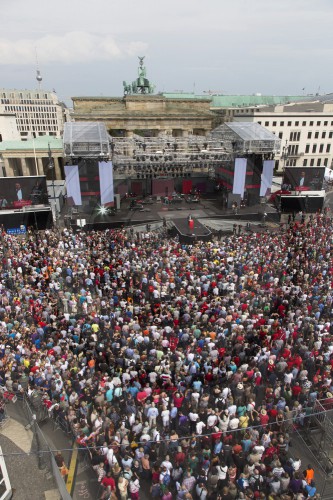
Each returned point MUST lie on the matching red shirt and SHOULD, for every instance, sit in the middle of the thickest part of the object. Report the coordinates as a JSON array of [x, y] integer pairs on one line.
[[264, 419], [296, 390], [109, 481], [141, 396], [178, 402]]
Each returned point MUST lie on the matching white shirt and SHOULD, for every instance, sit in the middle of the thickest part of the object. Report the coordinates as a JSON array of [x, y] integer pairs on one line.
[[199, 427]]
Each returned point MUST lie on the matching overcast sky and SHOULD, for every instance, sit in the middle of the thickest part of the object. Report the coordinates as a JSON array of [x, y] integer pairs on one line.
[[236, 46]]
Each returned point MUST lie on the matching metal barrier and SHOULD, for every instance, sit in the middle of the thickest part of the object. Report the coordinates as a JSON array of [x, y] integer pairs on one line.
[[46, 461], [5, 486]]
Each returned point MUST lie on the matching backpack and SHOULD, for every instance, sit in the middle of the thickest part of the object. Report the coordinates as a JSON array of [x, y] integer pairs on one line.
[[166, 479], [256, 483], [118, 392]]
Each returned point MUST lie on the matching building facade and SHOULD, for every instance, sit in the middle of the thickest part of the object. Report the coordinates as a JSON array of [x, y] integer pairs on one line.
[[32, 157], [8, 127], [305, 130], [37, 113], [147, 115]]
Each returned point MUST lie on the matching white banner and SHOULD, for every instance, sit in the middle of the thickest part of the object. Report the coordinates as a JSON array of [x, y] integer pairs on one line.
[[266, 178], [239, 176], [106, 182], [73, 185]]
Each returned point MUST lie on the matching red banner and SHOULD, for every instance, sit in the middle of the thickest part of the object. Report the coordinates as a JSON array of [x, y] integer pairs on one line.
[[187, 186]]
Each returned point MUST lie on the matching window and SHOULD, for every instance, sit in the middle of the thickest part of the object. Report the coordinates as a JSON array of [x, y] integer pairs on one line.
[[309, 135], [266, 124], [316, 135], [289, 124], [303, 124], [259, 123], [314, 148], [281, 124], [280, 135], [296, 124], [325, 162], [307, 148], [318, 162], [274, 124], [294, 136], [321, 148], [293, 150], [318, 124], [305, 162], [323, 135], [328, 148], [325, 124], [311, 162], [311, 124], [330, 135]]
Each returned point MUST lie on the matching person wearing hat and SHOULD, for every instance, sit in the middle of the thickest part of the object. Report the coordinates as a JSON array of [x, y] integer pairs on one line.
[[239, 394], [264, 418]]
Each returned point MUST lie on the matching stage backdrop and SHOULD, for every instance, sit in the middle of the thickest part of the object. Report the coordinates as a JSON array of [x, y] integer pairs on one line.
[[73, 184], [106, 182], [187, 186], [163, 187], [266, 177], [239, 176]]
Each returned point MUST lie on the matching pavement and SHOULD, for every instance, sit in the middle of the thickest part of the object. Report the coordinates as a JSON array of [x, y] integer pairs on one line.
[[27, 480]]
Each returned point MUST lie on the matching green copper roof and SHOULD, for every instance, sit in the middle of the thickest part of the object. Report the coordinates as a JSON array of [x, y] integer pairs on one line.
[[40, 143], [185, 95], [222, 101], [234, 101]]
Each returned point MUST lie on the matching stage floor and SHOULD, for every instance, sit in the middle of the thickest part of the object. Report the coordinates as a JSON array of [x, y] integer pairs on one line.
[[208, 207]]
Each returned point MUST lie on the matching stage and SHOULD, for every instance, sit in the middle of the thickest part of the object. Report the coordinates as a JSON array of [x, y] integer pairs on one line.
[[187, 234], [307, 201]]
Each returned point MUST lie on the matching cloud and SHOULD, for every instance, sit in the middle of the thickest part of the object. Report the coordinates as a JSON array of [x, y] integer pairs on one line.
[[75, 46]]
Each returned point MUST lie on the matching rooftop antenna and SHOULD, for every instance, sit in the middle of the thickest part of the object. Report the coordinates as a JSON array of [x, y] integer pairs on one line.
[[38, 75]]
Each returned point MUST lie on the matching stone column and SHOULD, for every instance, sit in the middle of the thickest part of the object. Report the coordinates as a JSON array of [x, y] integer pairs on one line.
[[25, 169], [57, 171], [129, 149], [40, 166], [8, 167]]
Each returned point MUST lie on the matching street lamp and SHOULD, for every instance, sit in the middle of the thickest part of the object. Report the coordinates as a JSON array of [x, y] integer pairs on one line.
[[284, 155], [2, 167], [51, 167]]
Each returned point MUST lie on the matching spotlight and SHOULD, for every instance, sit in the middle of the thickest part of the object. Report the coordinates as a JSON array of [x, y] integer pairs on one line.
[[102, 210]]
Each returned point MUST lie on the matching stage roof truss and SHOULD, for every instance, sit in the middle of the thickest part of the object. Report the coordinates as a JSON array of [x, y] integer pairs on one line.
[[138, 153], [246, 138], [86, 140]]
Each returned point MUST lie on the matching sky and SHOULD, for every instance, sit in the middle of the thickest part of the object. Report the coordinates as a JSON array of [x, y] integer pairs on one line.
[[280, 47]]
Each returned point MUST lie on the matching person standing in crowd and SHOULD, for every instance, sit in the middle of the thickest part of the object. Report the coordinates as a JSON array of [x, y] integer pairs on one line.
[[184, 369]]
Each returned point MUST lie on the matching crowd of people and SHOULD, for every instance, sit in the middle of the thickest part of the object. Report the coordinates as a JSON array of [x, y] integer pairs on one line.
[[182, 370]]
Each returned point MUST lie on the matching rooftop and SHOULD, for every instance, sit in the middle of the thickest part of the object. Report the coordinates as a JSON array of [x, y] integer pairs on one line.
[[86, 139], [39, 144], [234, 101], [251, 131]]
